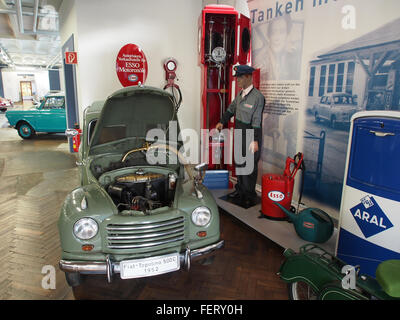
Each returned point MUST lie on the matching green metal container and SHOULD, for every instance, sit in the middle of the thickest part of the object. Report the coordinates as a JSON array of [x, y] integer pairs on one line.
[[311, 224]]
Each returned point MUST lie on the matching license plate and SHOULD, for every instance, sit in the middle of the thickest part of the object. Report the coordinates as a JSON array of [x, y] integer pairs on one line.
[[149, 266]]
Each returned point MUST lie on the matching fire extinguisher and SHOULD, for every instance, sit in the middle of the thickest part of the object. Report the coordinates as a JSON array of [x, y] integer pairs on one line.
[[76, 139], [216, 150]]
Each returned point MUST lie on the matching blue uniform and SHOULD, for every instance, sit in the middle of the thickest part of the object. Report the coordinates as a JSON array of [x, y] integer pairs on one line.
[[248, 116]]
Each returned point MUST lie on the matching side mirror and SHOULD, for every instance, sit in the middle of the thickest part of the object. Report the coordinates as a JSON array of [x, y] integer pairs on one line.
[[201, 167], [71, 133]]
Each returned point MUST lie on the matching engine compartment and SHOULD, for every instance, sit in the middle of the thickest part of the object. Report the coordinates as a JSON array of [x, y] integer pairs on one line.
[[143, 190]]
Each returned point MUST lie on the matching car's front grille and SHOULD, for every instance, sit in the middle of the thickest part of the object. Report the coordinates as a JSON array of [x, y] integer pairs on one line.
[[145, 235]]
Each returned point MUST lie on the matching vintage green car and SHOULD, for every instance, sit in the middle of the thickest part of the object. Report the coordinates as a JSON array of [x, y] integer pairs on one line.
[[49, 116], [129, 216]]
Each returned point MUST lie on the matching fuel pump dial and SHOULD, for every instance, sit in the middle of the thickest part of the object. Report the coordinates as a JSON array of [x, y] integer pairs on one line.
[[218, 54]]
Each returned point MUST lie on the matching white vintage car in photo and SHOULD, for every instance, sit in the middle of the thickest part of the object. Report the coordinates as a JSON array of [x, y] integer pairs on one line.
[[336, 108]]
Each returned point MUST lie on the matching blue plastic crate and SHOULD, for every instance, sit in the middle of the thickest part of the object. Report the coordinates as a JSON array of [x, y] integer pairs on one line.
[[216, 179]]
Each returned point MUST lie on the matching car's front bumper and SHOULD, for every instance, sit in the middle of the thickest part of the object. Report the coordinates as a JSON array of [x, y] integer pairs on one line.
[[110, 267], [344, 119]]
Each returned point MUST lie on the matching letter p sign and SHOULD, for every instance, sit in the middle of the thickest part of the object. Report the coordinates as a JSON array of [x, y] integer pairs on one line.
[[71, 57]]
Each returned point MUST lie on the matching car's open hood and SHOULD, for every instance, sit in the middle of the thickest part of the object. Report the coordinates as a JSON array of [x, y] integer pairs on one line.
[[130, 113]]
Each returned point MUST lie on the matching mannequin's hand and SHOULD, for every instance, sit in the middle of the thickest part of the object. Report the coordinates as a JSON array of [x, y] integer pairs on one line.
[[253, 147], [219, 126]]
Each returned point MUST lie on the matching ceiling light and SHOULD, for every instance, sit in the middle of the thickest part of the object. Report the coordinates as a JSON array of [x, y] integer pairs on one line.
[[5, 56]]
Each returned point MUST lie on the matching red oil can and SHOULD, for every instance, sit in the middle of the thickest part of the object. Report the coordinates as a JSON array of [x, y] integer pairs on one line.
[[279, 188]]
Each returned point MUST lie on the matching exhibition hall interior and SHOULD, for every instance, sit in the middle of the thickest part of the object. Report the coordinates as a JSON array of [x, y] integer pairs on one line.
[[202, 150]]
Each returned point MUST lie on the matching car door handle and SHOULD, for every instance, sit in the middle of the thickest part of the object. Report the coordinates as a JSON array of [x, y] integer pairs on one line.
[[381, 134]]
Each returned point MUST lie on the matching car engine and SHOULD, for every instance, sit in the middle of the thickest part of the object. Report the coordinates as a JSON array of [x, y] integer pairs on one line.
[[143, 191]]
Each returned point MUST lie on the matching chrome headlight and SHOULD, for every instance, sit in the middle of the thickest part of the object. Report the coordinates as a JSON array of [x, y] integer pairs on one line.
[[201, 216], [85, 228]]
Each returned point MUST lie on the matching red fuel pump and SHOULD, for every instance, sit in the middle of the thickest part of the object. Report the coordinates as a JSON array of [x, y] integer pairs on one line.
[[279, 188], [224, 41]]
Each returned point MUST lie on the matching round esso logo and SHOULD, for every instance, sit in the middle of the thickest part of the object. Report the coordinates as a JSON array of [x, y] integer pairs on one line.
[[133, 77], [276, 196]]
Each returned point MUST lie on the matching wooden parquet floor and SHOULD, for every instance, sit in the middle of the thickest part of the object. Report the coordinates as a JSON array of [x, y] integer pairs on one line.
[[35, 177], [245, 269]]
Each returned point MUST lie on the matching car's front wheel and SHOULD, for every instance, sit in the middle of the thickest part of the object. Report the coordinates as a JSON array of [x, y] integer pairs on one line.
[[74, 279], [25, 131], [207, 261]]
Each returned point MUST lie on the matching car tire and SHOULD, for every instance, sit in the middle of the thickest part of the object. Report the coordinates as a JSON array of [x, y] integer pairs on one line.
[[74, 279], [317, 118], [25, 131], [207, 261]]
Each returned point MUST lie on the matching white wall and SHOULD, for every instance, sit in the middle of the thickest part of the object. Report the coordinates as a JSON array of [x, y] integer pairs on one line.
[[240, 5], [11, 83], [42, 83], [161, 28]]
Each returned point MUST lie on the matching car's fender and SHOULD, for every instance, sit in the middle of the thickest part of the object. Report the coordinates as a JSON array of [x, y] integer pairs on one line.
[[16, 117], [90, 201], [187, 201], [334, 291]]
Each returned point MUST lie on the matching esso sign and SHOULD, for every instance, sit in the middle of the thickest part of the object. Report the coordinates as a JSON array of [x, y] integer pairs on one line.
[[131, 65], [276, 196]]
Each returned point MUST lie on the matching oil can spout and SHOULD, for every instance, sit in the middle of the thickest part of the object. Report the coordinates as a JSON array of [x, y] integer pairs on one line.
[[290, 214]]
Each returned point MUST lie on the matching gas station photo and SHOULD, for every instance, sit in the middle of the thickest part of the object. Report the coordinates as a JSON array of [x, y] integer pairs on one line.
[[186, 151]]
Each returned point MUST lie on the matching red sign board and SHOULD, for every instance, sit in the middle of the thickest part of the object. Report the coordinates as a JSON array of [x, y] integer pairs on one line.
[[131, 65], [71, 57]]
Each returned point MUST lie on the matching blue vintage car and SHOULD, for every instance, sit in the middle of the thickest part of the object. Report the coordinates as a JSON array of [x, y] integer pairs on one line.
[[49, 116]]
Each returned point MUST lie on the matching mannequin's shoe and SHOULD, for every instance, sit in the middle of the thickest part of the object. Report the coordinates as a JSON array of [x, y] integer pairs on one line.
[[234, 195]]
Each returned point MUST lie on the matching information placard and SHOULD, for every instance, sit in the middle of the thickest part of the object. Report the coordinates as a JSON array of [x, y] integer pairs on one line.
[[131, 65]]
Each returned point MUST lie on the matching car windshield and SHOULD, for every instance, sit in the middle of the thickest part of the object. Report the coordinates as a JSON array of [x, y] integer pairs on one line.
[[54, 103], [343, 100]]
